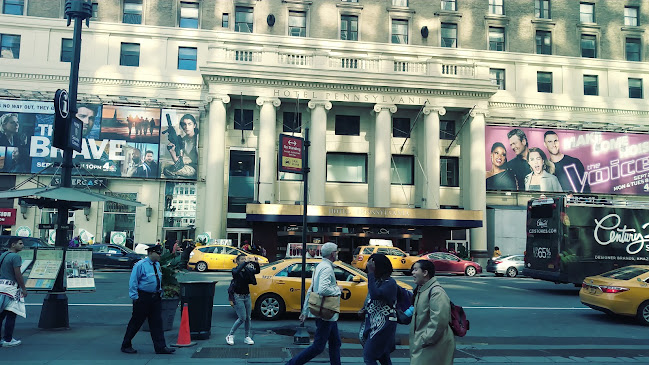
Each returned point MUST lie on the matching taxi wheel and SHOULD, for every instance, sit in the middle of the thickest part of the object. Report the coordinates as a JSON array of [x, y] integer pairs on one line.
[[270, 307], [643, 313], [512, 272], [201, 266], [470, 271]]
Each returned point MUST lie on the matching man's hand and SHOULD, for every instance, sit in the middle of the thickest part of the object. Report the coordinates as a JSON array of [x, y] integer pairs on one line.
[[302, 317], [370, 266], [24, 291]]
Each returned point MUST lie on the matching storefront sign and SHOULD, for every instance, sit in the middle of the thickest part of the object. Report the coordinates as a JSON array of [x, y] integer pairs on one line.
[[23, 231], [7, 216], [83, 182], [118, 238], [581, 161], [290, 154]]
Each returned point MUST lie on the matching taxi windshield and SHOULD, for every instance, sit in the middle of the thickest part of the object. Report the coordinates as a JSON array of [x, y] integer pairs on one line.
[[352, 269], [261, 267]]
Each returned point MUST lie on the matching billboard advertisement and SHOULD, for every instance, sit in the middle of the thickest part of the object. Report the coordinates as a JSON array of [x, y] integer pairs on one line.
[[549, 160], [118, 141]]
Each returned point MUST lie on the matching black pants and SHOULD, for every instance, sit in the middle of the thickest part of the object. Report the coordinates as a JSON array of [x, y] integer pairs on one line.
[[149, 306]]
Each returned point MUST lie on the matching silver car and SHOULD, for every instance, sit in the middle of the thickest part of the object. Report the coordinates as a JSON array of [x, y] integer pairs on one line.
[[510, 265]]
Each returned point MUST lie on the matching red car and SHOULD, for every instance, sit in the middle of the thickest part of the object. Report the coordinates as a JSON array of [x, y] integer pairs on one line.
[[449, 263]]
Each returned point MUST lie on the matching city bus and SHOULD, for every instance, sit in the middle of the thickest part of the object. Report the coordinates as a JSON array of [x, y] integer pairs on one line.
[[570, 238]]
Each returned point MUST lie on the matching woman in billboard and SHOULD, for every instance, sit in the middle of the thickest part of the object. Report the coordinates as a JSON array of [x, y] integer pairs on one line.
[[186, 161], [500, 178], [541, 178]]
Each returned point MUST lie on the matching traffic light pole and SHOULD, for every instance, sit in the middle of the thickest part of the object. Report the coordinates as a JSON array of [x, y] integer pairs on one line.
[[54, 313], [301, 336]]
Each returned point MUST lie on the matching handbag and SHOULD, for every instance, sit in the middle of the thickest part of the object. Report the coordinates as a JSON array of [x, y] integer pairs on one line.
[[322, 306]]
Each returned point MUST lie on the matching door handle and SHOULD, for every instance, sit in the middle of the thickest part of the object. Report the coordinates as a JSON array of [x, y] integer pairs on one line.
[[280, 282]]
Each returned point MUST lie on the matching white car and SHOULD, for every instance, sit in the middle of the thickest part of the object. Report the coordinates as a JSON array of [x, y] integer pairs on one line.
[[510, 265]]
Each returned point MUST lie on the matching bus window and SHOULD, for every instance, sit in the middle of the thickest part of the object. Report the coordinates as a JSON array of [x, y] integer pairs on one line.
[[542, 211]]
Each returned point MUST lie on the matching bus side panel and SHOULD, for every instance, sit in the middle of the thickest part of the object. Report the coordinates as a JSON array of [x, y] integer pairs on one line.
[[543, 242]]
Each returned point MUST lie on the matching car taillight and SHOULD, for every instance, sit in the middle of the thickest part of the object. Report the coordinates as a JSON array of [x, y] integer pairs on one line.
[[359, 258], [584, 285], [497, 262], [612, 289]]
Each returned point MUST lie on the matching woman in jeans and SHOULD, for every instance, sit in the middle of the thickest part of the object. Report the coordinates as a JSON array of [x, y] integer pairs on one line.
[[242, 276]]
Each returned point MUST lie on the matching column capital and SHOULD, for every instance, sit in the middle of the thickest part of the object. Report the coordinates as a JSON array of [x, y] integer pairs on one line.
[[437, 109], [389, 107], [263, 99], [314, 103], [476, 111], [224, 98]]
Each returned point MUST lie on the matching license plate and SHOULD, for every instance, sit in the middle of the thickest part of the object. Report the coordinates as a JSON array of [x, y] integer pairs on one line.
[[592, 290]]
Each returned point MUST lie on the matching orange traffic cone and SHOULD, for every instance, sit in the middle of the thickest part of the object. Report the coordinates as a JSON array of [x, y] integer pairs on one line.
[[184, 338]]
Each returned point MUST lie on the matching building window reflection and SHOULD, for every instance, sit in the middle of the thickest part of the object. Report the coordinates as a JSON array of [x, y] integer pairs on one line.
[[119, 218], [180, 204]]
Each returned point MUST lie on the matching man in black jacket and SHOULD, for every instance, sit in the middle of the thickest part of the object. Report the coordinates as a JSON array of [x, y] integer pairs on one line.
[[242, 276]]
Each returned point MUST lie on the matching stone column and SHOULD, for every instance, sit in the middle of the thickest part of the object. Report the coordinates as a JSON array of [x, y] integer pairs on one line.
[[382, 154], [318, 151], [215, 209], [474, 185], [431, 156], [266, 143]]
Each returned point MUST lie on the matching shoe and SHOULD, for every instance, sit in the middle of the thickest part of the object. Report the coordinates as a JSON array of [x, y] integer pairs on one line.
[[11, 343], [248, 341], [166, 351], [229, 339], [129, 350]]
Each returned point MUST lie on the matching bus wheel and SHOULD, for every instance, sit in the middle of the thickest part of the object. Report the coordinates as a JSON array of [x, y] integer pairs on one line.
[[643, 313], [512, 272], [470, 271]]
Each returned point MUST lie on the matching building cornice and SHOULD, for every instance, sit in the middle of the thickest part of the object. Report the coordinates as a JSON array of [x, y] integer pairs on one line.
[[564, 108], [103, 81]]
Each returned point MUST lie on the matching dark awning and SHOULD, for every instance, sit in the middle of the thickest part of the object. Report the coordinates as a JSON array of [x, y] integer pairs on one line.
[[46, 196]]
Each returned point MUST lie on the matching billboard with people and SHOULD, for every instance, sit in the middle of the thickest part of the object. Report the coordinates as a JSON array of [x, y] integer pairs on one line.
[[118, 141], [554, 160]]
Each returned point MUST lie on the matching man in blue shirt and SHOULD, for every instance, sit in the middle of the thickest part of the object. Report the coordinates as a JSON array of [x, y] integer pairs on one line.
[[146, 291]]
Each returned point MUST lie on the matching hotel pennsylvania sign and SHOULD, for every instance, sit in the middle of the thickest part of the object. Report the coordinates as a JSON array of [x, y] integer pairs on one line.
[[351, 97]]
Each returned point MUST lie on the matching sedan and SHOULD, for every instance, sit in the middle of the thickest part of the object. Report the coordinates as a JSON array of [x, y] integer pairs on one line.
[[30, 242], [623, 291], [114, 256], [510, 265], [279, 285], [451, 264]]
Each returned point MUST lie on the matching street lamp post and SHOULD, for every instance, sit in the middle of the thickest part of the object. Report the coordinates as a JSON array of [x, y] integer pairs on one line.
[[54, 313]]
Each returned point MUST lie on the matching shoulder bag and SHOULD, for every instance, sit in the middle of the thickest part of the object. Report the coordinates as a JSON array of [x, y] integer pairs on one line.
[[322, 306]]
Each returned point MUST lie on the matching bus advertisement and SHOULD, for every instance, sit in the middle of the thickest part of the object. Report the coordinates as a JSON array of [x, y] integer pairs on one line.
[[570, 238]]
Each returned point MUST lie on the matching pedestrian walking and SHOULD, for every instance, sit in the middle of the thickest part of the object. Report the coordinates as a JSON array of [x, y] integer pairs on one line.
[[145, 289], [431, 337], [380, 315], [12, 291], [242, 277], [323, 283]]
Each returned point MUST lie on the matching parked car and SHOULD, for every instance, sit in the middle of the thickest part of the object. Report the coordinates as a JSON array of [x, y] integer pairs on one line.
[[401, 261], [451, 264], [30, 242], [623, 291], [217, 257], [114, 256], [279, 284], [510, 265]]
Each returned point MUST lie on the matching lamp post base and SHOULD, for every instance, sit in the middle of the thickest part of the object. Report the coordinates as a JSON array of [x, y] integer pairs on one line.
[[54, 313], [301, 336]]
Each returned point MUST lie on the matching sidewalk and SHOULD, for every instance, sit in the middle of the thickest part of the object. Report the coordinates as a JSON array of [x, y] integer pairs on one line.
[[100, 344]]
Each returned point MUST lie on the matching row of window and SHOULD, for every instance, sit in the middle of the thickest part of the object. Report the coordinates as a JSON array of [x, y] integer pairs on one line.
[[591, 83]]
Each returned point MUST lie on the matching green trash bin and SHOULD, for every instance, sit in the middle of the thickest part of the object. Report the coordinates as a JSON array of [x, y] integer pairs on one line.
[[199, 297]]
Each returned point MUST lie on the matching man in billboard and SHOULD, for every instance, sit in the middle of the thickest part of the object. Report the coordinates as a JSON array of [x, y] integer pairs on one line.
[[520, 166], [569, 170], [148, 168], [17, 155], [86, 115]]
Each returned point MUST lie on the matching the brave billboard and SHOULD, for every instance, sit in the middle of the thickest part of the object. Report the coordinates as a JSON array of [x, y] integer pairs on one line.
[[549, 160], [118, 141]]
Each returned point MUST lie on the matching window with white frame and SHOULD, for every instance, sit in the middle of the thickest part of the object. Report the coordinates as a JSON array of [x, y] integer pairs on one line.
[[587, 12], [132, 12], [13, 7], [399, 2], [449, 35], [635, 88], [66, 50], [497, 76], [497, 7], [543, 42], [129, 54], [187, 58], [496, 39], [399, 31], [225, 20], [297, 23], [188, 14], [542, 9], [243, 19], [588, 46], [349, 27], [631, 16], [591, 85], [9, 46], [633, 49], [347, 167], [449, 171], [544, 82], [449, 5], [402, 170]]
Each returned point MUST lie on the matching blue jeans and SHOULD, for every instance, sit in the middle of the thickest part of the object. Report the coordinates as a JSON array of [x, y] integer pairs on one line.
[[9, 324], [326, 331], [243, 308]]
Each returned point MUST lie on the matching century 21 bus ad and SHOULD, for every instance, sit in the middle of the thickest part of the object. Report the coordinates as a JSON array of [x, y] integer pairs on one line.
[[118, 141], [553, 160]]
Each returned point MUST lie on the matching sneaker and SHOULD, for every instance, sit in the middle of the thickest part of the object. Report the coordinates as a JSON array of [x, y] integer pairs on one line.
[[11, 343], [248, 341], [229, 339]]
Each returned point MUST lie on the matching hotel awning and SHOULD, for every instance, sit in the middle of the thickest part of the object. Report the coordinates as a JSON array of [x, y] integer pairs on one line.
[[51, 196], [451, 218]]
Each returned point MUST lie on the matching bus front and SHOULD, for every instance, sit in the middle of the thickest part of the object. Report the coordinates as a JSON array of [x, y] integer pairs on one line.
[[544, 232]]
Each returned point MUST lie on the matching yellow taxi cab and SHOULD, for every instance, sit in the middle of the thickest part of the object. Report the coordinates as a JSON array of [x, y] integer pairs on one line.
[[279, 285], [400, 260], [217, 257], [623, 291]]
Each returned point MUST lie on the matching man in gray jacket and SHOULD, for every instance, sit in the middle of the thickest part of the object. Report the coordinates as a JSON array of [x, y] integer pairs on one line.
[[323, 283]]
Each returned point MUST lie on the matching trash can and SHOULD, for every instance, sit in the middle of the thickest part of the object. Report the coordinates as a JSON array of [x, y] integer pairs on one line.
[[199, 296]]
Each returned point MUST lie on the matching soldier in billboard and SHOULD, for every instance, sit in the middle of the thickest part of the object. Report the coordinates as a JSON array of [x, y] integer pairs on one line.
[[183, 150], [519, 144], [148, 168], [569, 170]]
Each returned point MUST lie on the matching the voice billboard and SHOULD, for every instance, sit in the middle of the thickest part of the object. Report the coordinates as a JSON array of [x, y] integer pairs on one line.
[[118, 141], [554, 160]]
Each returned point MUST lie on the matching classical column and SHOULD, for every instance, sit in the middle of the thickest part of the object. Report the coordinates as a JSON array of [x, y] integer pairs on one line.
[[214, 210], [431, 156], [382, 154], [473, 154], [266, 143], [318, 151]]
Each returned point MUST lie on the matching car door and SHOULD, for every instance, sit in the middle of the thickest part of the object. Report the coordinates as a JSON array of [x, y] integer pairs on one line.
[[398, 259], [453, 263], [211, 256], [289, 284], [387, 252], [116, 257], [441, 265], [353, 294], [227, 258], [99, 256]]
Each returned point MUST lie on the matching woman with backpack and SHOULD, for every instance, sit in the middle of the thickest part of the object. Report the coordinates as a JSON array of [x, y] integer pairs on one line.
[[242, 276], [431, 337], [380, 316]]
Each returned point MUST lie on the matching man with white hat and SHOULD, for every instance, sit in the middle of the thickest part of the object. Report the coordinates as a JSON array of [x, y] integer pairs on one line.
[[326, 329]]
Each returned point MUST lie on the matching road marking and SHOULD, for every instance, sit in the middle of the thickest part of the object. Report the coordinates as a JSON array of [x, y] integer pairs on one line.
[[107, 305]]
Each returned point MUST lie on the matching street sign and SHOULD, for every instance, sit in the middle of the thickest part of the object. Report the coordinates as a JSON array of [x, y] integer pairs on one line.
[[61, 103], [76, 134], [69, 226], [46, 226], [290, 154]]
